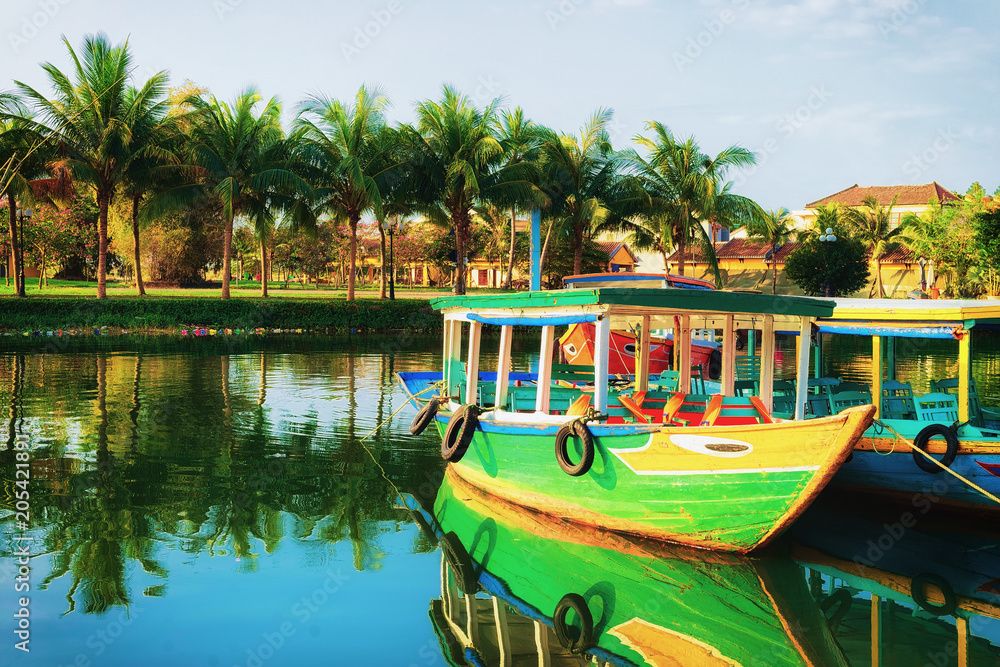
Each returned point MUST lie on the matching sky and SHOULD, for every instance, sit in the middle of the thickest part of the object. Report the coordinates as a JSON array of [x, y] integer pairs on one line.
[[827, 93]]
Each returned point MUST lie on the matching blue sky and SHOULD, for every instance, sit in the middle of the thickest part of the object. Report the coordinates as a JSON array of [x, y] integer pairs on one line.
[[828, 93]]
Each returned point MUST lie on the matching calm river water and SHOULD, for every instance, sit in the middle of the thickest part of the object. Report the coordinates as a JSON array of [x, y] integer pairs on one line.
[[249, 501]]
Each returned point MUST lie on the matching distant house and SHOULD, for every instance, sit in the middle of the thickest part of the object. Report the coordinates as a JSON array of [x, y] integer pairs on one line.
[[909, 199], [620, 258]]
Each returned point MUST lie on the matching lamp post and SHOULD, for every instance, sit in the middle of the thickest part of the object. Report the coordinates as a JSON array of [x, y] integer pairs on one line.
[[21, 215], [391, 226], [824, 239]]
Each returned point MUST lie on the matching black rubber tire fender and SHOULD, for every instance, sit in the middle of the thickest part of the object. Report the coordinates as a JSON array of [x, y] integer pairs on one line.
[[917, 593], [424, 417], [920, 442], [458, 433], [580, 430], [715, 365], [575, 603], [458, 558]]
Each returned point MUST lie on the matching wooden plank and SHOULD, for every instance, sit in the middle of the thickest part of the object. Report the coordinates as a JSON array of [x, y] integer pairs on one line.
[[877, 374], [767, 363], [472, 363], [728, 356], [962, 625], [503, 366], [545, 370], [802, 367], [642, 356], [602, 350], [964, 373]]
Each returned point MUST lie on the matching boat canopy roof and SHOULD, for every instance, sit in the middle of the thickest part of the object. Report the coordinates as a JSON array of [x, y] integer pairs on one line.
[[910, 318], [558, 307]]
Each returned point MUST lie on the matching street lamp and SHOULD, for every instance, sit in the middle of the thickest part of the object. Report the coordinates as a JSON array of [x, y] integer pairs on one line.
[[827, 238], [390, 226], [21, 215]]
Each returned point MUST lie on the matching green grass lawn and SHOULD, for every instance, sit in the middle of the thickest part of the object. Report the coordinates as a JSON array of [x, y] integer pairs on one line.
[[243, 289]]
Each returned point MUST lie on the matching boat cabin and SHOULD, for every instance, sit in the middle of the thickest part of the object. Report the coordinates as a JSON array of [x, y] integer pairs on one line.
[[641, 310]]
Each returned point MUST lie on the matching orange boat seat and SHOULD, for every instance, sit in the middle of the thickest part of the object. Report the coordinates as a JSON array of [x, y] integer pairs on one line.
[[735, 411]]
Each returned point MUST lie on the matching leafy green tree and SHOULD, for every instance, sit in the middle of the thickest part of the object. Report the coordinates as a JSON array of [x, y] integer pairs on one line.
[[581, 176], [824, 268], [774, 228], [92, 118], [521, 139], [688, 192], [872, 225], [456, 161], [352, 151], [248, 164]]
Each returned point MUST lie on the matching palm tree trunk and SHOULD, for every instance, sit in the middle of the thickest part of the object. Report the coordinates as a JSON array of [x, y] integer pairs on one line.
[[16, 263], [510, 257], [381, 240], [545, 249], [578, 250], [774, 269], [461, 227], [135, 245], [680, 255], [878, 277], [663, 254], [41, 276], [263, 266], [354, 256], [227, 257], [103, 201]]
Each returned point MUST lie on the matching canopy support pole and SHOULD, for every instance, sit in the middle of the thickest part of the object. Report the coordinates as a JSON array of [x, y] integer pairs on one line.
[[642, 356], [602, 349], [802, 367], [877, 375], [964, 373], [545, 370], [767, 363], [472, 364], [503, 366], [684, 338], [729, 356]]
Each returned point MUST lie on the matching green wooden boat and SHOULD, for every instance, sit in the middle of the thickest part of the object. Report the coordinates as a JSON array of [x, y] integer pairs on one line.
[[552, 593]]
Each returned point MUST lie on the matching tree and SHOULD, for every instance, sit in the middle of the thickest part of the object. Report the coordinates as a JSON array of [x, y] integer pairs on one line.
[[688, 192], [351, 150], [774, 228], [581, 177], [456, 161], [91, 118], [824, 268], [521, 138], [248, 163], [873, 227]]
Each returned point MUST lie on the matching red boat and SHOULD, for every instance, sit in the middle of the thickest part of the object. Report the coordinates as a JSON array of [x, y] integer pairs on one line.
[[577, 347]]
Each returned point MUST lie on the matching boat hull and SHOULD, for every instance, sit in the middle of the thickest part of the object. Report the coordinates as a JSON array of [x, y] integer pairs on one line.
[[577, 346], [725, 487]]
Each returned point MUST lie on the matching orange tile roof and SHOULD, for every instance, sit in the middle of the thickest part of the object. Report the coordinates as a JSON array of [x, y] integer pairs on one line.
[[908, 195], [611, 247]]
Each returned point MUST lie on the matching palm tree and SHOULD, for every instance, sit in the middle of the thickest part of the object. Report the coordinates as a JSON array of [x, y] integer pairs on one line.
[[688, 191], [350, 149], [456, 161], [521, 138], [154, 138], [91, 119], [252, 168], [581, 176], [774, 228], [873, 228]]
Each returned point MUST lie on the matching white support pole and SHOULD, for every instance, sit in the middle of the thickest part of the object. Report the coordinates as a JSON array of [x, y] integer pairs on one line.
[[602, 350], [802, 367], [503, 632], [503, 365], [683, 338], [545, 370], [729, 356], [642, 356], [472, 364], [542, 644], [767, 345], [452, 353], [877, 374]]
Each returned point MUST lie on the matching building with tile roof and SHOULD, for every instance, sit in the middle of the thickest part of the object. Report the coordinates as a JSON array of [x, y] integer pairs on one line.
[[909, 199]]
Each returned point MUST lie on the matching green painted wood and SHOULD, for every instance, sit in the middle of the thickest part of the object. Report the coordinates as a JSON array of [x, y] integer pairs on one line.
[[647, 298], [732, 603]]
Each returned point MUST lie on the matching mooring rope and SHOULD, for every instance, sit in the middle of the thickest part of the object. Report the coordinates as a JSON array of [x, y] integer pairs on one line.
[[936, 462]]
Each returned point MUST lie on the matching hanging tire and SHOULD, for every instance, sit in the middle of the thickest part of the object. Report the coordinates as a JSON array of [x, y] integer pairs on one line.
[[458, 433], [424, 417], [920, 442], [585, 640], [460, 562], [715, 365], [917, 593], [580, 430]]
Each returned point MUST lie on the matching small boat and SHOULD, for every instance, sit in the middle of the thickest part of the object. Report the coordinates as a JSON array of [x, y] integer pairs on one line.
[[715, 472], [521, 587], [627, 279], [948, 422]]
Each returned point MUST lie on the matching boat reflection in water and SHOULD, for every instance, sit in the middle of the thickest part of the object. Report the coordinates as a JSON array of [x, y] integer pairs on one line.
[[901, 588], [525, 588]]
